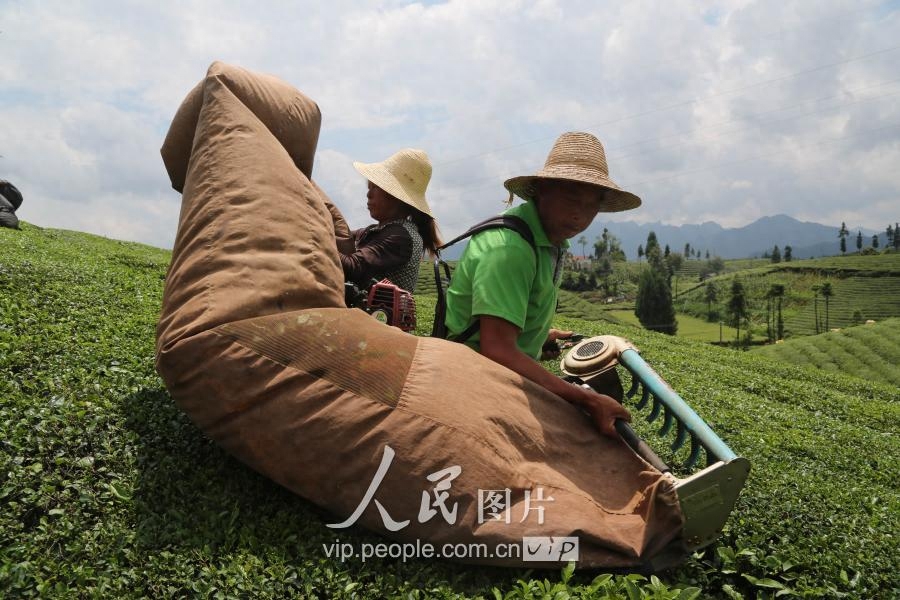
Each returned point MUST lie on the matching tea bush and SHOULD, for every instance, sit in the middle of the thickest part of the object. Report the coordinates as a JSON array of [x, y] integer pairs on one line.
[[108, 490]]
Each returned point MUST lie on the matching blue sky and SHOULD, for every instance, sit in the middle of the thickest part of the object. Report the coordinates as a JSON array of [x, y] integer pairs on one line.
[[724, 111]]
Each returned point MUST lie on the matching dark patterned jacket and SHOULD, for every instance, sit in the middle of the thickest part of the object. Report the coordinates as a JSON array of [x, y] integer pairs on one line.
[[391, 251]]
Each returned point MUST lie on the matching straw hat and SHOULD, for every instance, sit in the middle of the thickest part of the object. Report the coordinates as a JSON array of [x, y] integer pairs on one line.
[[576, 157], [404, 175]]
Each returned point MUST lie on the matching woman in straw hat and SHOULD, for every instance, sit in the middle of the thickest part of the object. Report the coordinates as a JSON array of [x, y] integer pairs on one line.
[[393, 247], [503, 294]]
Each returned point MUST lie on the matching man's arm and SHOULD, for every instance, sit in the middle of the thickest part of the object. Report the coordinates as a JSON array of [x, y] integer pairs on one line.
[[498, 342]]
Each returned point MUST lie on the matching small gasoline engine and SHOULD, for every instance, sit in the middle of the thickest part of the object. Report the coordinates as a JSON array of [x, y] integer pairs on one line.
[[388, 303]]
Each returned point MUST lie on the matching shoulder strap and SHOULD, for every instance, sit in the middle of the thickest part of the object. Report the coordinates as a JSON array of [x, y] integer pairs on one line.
[[517, 224], [513, 222]]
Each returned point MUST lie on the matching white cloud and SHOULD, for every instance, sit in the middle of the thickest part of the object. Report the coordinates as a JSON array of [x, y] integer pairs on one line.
[[753, 108]]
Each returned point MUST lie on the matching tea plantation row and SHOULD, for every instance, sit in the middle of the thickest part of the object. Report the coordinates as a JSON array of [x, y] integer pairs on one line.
[[108, 490]]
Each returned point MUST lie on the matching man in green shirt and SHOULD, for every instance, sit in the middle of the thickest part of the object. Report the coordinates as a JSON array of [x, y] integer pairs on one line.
[[510, 289]]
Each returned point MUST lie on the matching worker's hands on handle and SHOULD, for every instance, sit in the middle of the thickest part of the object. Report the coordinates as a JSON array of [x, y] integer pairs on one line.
[[604, 411], [558, 334], [498, 342], [551, 349]]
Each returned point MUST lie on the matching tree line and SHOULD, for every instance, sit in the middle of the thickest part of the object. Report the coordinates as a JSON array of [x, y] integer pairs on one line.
[[892, 239], [655, 309], [737, 310], [776, 257], [654, 302], [653, 306]]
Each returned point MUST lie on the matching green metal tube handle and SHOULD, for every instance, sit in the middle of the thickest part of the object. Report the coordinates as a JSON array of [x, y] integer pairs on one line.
[[688, 421]]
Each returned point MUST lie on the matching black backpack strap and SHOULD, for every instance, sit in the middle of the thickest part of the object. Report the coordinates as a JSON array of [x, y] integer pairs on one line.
[[513, 222], [517, 224], [439, 329]]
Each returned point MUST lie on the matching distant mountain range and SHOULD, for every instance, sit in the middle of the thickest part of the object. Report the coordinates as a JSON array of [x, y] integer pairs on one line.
[[807, 240]]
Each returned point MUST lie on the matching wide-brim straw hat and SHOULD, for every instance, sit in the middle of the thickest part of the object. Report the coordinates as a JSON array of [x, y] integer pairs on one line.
[[404, 175], [577, 157]]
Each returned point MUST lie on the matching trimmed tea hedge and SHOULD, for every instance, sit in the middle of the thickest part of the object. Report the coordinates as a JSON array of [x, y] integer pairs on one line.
[[108, 490]]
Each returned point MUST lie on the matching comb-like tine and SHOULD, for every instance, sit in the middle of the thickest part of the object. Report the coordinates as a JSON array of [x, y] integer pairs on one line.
[[645, 395], [695, 453], [680, 437], [657, 405], [634, 386], [667, 421], [689, 423]]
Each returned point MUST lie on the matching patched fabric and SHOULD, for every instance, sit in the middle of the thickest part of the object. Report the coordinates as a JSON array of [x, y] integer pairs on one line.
[[417, 439]]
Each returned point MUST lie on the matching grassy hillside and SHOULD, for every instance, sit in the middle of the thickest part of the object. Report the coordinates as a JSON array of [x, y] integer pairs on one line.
[[575, 305], [865, 287], [427, 285], [108, 490], [868, 351], [689, 327], [876, 265]]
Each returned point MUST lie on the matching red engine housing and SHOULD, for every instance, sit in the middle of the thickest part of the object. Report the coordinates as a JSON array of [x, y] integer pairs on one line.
[[392, 305]]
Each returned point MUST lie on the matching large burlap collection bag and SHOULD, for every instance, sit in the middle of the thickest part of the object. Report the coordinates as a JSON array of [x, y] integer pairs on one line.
[[420, 439]]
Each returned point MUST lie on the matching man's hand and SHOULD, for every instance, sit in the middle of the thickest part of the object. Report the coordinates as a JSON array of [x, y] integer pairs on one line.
[[558, 334], [551, 349], [604, 410], [498, 342]]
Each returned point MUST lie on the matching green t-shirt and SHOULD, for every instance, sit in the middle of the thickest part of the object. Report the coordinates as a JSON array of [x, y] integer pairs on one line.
[[499, 275]]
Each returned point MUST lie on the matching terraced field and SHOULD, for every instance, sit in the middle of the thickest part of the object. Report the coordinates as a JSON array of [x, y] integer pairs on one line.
[[871, 352], [573, 305], [426, 283], [877, 265], [689, 269], [742, 264], [875, 298], [868, 284]]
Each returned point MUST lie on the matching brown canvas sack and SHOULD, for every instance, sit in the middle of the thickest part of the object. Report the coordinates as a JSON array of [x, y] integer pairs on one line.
[[255, 345]]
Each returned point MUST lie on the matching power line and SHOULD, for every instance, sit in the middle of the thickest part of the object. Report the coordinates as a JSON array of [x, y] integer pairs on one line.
[[761, 156], [763, 113], [810, 24], [614, 157], [741, 129], [682, 104], [684, 172]]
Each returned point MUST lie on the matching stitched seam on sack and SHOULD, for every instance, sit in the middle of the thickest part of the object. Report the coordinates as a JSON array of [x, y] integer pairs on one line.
[[485, 443], [234, 339], [224, 419], [376, 388], [402, 406]]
